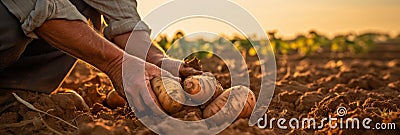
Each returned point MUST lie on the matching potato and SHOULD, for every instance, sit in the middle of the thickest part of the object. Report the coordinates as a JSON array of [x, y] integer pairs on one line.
[[200, 88], [168, 92], [114, 100], [233, 105]]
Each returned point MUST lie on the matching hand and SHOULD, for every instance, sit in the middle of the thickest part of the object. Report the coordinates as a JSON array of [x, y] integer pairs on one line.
[[154, 54], [84, 43], [185, 70], [134, 83]]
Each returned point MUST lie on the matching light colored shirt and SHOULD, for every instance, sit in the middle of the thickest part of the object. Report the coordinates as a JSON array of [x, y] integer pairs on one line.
[[120, 15]]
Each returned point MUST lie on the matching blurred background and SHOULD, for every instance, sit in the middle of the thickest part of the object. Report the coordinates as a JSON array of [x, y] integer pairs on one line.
[[293, 17], [298, 27]]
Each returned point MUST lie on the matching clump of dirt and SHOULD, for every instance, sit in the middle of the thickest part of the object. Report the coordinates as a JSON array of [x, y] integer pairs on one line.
[[19, 119], [367, 82], [308, 100], [290, 97]]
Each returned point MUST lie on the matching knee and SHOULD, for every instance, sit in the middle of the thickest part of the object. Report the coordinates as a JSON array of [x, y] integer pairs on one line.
[[7, 60], [12, 53], [12, 39], [6, 64]]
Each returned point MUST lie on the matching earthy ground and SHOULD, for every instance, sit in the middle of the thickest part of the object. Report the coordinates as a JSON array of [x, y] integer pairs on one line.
[[307, 87]]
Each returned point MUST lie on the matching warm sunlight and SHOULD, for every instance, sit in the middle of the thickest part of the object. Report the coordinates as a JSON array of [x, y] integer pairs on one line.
[[291, 17]]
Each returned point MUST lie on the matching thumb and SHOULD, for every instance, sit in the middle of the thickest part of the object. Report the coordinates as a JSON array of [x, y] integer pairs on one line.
[[188, 71], [165, 73]]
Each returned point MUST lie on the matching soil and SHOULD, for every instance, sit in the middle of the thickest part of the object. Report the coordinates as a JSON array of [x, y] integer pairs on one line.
[[367, 85]]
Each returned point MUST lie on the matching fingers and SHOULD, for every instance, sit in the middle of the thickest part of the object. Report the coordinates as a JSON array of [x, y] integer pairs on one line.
[[135, 99], [193, 71], [120, 91], [188, 71], [143, 98], [154, 71], [165, 73], [151, 100], [208, 74], [153, 96]]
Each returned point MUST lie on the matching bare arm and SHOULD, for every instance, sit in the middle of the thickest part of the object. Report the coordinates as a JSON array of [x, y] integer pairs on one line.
[[79, 40]]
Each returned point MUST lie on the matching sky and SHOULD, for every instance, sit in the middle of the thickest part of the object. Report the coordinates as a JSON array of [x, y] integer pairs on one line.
[[292, 17]]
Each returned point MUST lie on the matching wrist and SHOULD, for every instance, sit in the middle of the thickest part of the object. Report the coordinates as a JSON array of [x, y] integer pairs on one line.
[[121, 40], [115, 74]]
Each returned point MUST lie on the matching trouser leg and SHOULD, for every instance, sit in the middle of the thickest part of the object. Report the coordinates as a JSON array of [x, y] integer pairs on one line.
[[28, 64], [43, 71], [34, 65]]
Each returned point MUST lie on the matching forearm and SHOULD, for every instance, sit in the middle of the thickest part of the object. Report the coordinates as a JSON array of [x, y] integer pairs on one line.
[[79, 40], [154, 55]]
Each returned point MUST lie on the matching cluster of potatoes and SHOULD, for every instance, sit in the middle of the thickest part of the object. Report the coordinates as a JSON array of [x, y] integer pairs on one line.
[[205, 92]]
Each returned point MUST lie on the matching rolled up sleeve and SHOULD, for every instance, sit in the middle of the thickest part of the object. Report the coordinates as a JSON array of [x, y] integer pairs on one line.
[[120, 15], [33, 13]]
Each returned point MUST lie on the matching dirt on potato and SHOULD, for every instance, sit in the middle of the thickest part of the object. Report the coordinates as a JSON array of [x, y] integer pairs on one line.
[[367, 85]]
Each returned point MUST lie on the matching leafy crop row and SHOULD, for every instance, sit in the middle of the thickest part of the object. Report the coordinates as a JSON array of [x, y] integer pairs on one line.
[[302, 44]]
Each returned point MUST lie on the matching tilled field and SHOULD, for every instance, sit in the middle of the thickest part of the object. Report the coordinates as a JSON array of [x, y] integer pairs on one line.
[[368, 86]]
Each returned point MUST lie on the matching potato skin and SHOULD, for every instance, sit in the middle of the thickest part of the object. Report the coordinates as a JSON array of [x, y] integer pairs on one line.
[[193, 86], [233, 105], [165, 91]]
